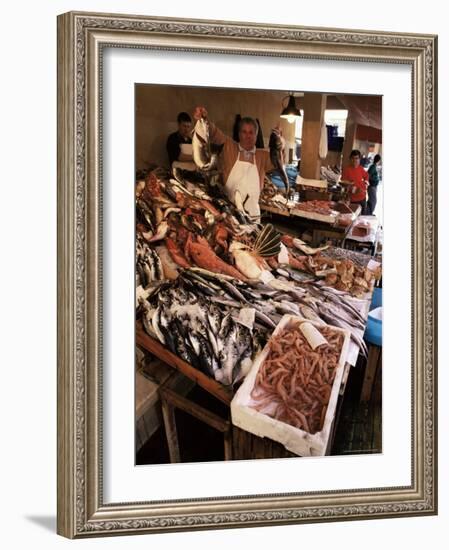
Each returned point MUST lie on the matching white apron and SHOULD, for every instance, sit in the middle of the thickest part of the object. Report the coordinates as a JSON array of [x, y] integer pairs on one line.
[[244, 177]]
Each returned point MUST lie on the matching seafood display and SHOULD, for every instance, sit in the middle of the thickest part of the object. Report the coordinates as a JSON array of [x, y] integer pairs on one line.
[[294, 382], [342, 271], [211, 285], [321, 210], [358, 258], [212, 336]]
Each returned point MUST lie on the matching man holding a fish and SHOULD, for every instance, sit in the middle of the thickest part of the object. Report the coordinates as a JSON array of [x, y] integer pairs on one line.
[[244, 166]]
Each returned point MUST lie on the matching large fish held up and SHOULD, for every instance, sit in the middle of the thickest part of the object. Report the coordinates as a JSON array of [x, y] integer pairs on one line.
[[276, 145], [203, 157]]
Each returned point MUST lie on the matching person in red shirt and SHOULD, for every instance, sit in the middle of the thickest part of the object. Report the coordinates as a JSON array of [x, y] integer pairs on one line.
[[359, 178]]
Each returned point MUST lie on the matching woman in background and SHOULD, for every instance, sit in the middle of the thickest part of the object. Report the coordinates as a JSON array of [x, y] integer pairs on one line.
[[358, 176]]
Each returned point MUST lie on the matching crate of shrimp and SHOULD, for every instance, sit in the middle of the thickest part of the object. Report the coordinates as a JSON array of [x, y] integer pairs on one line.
[[290, 393]]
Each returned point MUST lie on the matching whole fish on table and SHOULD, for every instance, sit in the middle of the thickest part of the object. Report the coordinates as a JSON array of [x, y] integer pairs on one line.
[[202, 153]]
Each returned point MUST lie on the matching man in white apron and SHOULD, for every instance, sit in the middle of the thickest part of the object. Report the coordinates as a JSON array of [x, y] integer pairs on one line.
[[243, 182], [244, 166]]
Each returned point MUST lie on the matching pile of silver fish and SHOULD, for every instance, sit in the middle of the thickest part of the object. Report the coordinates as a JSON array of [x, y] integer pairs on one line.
[[284, 295], [148, 264], [210, 337]]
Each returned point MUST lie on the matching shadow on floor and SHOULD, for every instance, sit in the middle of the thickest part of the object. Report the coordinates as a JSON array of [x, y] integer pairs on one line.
[[46, 522]]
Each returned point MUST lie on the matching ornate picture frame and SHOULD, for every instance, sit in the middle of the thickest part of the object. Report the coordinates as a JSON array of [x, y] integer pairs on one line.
[[82, 38]]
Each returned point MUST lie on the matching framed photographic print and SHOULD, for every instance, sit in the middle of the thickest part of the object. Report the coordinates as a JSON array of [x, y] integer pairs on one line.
[[246, 274]]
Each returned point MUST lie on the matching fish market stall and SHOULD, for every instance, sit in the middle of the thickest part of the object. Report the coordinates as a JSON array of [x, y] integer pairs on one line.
[[212, 286], [322, 217]]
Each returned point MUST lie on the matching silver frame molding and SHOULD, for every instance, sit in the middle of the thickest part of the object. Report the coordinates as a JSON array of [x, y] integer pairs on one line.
[[81, 38]]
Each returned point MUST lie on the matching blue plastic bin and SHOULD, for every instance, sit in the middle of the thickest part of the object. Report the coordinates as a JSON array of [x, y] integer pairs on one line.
[[373, 332], [376, 300]]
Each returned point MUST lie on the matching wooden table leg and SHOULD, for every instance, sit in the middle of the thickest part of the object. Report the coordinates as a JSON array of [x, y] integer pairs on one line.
[[227, 436], [338, 409], [374, 357], [168, 413]]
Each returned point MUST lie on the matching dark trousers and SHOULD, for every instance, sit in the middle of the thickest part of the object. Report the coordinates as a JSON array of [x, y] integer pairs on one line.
[[363, 205], [372, 200]]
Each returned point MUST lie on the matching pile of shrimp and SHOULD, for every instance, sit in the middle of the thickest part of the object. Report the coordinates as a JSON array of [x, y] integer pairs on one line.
[[294, 383]]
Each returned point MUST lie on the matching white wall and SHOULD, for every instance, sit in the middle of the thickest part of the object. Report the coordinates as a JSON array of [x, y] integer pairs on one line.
[[28, 274]]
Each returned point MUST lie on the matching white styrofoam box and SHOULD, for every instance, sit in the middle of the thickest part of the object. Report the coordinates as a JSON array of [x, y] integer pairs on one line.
[[326, 218], [311, 182], [294, 439]]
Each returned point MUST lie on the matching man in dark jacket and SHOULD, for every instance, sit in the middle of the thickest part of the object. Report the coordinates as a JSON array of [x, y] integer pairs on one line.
[[373, 183], [179, 144]]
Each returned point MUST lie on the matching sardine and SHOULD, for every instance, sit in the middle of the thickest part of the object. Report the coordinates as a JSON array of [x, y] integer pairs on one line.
[[288, 307], [225, 329], [264, 319], [155, 320], [224, 301], [144, 213], [198, 276], [234, 291], [182, 349], [211, 275], [214, 319], [228, 358], [338, 322], [141, 273], [158, 265], [310, 314]]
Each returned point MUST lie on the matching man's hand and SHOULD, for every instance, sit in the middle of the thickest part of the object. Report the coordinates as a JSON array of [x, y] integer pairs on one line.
[[199, 112]]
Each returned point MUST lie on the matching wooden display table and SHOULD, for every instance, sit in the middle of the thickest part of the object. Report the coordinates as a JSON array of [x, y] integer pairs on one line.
[[238, 444]]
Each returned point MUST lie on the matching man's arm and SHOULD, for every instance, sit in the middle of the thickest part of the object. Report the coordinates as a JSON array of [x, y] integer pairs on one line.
[[216, 136]]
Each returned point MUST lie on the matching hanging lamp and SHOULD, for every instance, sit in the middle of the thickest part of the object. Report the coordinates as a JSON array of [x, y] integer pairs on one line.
[[291, 112]]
